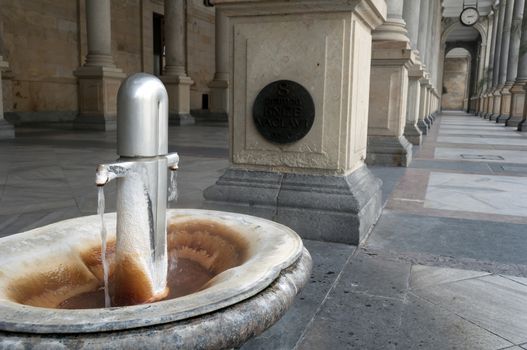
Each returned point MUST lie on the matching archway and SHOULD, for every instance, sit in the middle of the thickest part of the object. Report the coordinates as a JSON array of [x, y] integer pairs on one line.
[[457, 75]]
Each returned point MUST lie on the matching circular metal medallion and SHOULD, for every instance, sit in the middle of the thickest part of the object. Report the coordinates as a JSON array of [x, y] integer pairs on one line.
[[283, 112]]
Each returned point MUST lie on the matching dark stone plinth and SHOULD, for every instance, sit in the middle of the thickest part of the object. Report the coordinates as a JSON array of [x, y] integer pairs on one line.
[[514, 121], [413, 134], [227, 328], [502, 118], [7, 131], [181, 119], [421, 124], [97, 122], [389, 151], [327, 208]]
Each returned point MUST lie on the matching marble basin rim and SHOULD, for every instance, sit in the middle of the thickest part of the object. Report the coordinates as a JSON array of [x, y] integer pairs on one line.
[[272, 248]]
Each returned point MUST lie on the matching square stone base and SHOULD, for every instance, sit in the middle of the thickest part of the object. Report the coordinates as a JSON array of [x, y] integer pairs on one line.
[[181, 119], [327, 208], [413, 134], [95, 122], [7, 131], [389, 151]]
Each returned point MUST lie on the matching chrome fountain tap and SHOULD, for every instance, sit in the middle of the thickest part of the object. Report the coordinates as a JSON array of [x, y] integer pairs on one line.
[[141, 173]]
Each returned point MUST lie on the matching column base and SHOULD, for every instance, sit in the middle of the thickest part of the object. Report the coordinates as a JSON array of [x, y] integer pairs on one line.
[[178, 89], [219, 96], [423, 126], [206, 116], [428, 120], [388, 151], [7, 131], [95, 122], [98, 87], [339, 209], [514, 121], [502, 118], [181, 119], [413, 134], [522, 125]]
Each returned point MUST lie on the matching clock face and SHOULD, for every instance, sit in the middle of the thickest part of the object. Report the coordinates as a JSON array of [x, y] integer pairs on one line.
[[469, 16]]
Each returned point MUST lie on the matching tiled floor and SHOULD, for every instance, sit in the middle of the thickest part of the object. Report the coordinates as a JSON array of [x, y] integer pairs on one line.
[[444, 268]]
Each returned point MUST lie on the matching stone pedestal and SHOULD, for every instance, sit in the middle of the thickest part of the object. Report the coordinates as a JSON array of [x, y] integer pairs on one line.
[[517, 104], [7, 131], [388, 102], [496, 103], [505, 103], [98, 88], [318, 185], [411, 131], [423, 102], [178, 89]]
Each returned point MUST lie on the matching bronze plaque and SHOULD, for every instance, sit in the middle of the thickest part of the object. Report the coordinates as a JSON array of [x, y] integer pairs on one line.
[[283, 112]]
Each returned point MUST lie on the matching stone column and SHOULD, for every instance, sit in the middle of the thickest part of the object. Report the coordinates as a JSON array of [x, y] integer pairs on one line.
[[391, 58], [99, 78], [490, 66], [517, 64], [411, 17], [307, 76], [498, 58], [423, 25], [6, 130], [175, 71], [219, 87], [506, 51]]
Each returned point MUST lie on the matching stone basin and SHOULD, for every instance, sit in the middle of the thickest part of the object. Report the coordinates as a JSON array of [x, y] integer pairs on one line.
[[254, 268]]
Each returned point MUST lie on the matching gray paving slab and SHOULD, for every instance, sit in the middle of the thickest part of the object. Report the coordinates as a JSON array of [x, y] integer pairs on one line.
[[494, 303], [428, 326], [375, 275], [466, 167], [459, 238], [426, 276], [328, 261], [390, 176], [355, 321]]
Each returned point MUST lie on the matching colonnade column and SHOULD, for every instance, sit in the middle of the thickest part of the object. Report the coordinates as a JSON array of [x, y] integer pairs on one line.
[[6, 130], [503, 89], [495, 94], [411, 16], [517, 65], [522, 74], [422, 41], [219, 87], [489, 73], [391, 58], [174, 74], [99, 78]]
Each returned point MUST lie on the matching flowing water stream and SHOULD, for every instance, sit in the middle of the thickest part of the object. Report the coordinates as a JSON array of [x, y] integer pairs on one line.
[[100, 211]]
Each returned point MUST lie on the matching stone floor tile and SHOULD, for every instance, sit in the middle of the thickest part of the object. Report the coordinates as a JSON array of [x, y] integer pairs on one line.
[[428, 326], [491, 302], [355, 321], [375, 275], [328, 261], [481, 240], [426, 276], [477, 193]]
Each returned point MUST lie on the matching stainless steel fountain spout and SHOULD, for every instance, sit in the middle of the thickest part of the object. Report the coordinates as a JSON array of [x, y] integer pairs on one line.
[[141, 172]]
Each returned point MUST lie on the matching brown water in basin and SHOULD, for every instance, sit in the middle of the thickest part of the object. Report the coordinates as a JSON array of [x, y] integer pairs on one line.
[[184, 277], [198, 250]]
